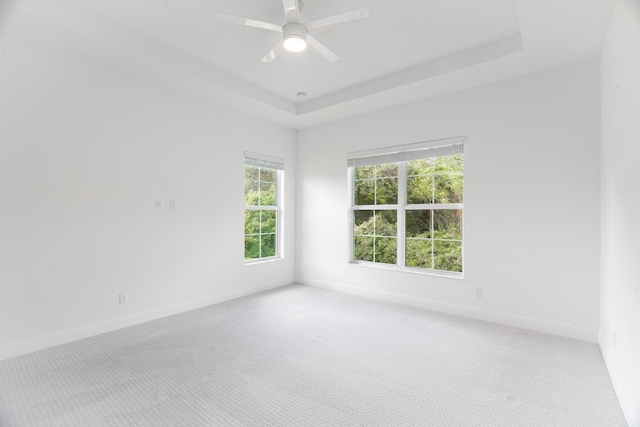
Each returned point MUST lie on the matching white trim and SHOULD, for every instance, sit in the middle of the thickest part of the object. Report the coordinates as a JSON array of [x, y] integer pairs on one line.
[[253, 261], [625, 405], [260, 207], [434, 206], [401, 153], [71, 335], [261, 160], [459, 310], [413, 270]]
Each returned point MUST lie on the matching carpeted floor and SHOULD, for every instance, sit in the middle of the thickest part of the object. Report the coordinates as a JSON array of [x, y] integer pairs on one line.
[[302, 356]]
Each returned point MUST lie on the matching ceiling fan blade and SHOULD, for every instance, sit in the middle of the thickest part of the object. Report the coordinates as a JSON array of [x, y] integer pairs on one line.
[[292, 10], [322, 49], [275, 51], [248, 22], [329, 21]]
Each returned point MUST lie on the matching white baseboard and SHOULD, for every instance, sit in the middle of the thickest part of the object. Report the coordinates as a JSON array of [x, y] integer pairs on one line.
[[489, 316], [625, 404], [64, 337]]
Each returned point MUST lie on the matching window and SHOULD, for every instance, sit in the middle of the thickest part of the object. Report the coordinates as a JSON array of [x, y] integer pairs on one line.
[[263, 177], [407, 205]]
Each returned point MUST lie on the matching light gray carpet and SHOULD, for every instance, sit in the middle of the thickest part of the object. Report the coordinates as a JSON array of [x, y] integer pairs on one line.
[[302, 356]]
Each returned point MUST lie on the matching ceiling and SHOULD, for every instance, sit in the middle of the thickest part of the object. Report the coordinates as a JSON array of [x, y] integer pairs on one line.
[[404, 51]]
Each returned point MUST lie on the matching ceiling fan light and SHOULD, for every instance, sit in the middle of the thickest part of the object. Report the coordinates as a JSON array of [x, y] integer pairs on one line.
[[295, 43], [294, 36]]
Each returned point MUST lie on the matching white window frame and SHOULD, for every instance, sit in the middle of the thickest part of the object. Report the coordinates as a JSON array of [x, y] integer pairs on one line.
[[277, 164], [400, 155]]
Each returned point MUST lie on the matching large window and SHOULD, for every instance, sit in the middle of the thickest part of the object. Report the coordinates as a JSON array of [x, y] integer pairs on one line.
[[407, 205], [262, 211]]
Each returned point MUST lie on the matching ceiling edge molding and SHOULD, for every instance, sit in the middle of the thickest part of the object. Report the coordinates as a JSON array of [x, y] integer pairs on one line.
[[447, 64]]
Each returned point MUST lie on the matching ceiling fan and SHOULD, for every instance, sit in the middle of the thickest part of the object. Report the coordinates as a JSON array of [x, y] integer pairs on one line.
[[295, 34]]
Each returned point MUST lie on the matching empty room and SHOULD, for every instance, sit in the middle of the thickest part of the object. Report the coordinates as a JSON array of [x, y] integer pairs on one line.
[[319, 213]]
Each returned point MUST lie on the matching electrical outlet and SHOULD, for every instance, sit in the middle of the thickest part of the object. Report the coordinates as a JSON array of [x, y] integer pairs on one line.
[[478, 292], [159, 205], [172, 205], [123, 298]]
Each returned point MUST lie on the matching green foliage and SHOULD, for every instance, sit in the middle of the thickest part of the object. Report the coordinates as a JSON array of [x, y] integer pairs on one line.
[[419, 253], [365, 192], [376, 185], [418, 223], [363, 248], [268, 245], [437, 180], [433, 236], [260, 233], [419, 189], [251, 222], [260, 186], [375, 236], [447, 224], [251, 247], [386, 250], [447, 255]]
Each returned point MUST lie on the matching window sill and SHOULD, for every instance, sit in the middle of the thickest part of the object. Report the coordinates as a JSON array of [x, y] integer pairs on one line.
[[420, 271], [262, 260]]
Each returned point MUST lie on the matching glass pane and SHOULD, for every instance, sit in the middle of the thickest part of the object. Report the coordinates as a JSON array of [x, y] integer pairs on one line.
[[386, 223], [418, 253], [251, 173], [448, 188], [268, 222], [387, 170], [267, 194], [387, 191], [363, 248], [449, 163], [447, 224], [419, 167], [267, 175], [386, 250], [251, 247], [251, 193], [364, 192], [418, 224], [268, 242], [251, 222], [419, 190], [363, 223], [365, 172], [447, 255]]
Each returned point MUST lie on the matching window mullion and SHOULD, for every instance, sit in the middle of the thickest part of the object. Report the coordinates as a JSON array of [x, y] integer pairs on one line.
[[433, 201], [401, 216], [375, 235], [279, 208], [350, 221]]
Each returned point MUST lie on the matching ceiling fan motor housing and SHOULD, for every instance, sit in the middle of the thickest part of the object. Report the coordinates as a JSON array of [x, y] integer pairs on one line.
[[294, 29]]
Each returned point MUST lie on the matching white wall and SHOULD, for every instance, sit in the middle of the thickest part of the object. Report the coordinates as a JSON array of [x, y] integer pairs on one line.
[[84, 155], [620, 299], [531, 201]]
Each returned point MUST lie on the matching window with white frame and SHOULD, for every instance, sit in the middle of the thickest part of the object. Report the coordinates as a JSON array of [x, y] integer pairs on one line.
[[407, 206], [262, 210]]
